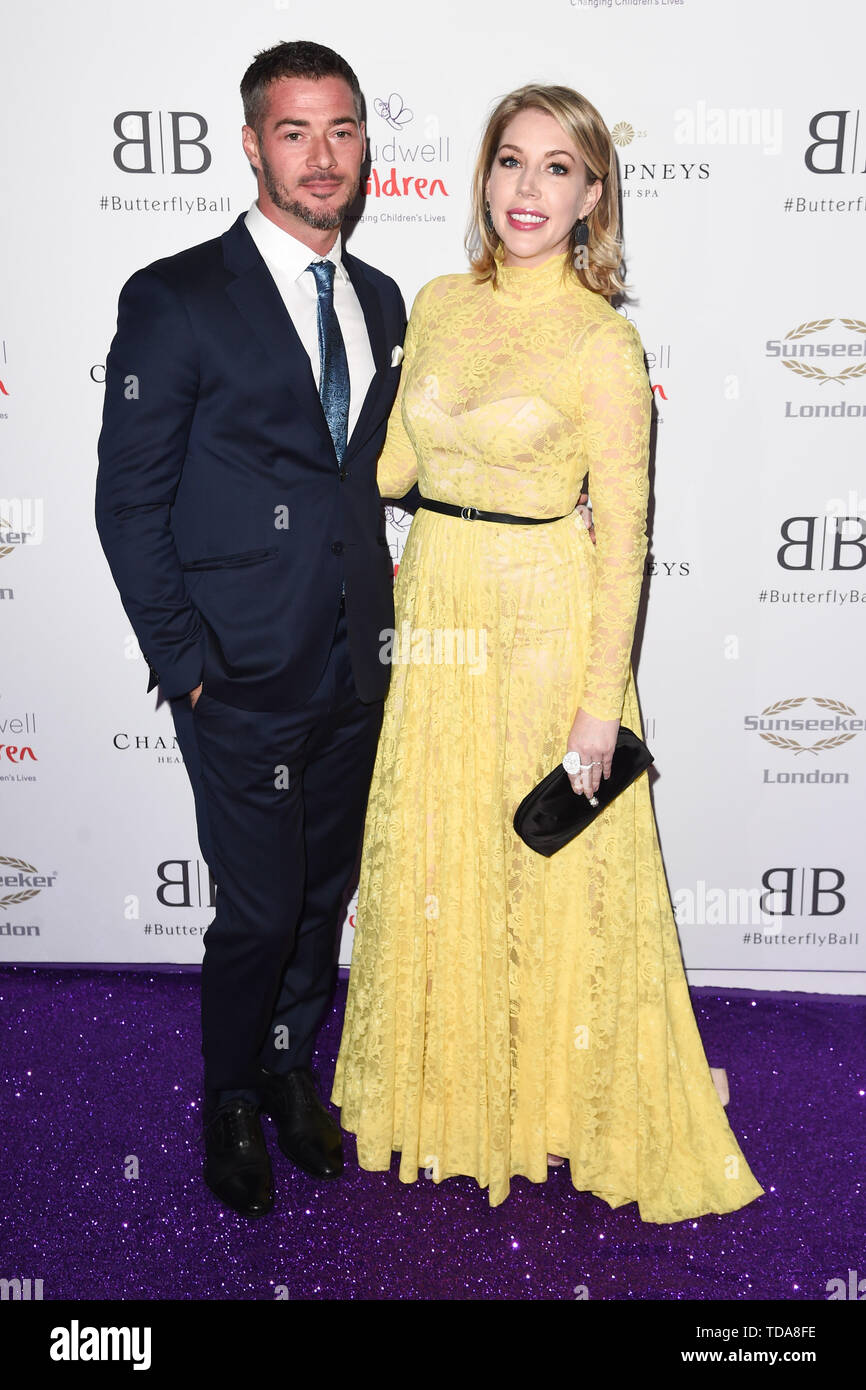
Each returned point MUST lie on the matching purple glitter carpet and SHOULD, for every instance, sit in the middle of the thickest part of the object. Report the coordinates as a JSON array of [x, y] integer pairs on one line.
[[101, 1074]]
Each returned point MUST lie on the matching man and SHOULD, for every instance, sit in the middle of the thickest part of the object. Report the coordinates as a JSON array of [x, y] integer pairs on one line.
[[247, 394]]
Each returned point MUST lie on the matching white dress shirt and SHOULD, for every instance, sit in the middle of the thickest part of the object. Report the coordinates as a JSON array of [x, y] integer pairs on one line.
[[287, 260]]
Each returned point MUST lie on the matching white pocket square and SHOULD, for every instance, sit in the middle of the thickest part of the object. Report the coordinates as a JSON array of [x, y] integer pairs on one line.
[[396, 356]]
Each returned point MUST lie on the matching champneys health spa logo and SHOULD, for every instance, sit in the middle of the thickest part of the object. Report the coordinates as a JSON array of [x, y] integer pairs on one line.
[[161, 748], [791, 726], [624, 132], [20, 881], [648, 178], [654, 568]]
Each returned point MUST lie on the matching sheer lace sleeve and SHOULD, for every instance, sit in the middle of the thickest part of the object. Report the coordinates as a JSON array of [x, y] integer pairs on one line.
[[397, 469], [617, 409]]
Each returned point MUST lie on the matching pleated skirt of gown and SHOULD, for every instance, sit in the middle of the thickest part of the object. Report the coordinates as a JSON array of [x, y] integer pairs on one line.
[[503, 1005]]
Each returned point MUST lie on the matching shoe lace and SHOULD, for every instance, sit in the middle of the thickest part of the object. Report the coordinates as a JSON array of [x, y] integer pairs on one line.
[[236, 1123]]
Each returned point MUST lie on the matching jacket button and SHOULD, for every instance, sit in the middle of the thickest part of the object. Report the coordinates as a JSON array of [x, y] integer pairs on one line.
[[337, 547], [343, 475]]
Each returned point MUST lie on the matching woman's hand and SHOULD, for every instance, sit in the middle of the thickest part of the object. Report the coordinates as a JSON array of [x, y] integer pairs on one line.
[[586, 514], [594, 739]]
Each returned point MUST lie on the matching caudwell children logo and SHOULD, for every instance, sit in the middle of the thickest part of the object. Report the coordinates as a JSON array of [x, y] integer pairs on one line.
[[411, 163]]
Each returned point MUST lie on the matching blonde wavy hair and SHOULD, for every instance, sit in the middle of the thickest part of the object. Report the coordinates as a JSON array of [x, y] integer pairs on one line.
[[585, 127]]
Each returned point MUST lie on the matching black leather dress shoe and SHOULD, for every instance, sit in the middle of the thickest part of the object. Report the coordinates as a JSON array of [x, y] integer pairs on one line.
[[237, 1166], [307, 1134]]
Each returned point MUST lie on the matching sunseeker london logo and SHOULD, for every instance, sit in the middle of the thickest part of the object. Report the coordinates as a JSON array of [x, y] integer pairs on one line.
[[23, 879], [820, 353], [22, 523], [793, 727]]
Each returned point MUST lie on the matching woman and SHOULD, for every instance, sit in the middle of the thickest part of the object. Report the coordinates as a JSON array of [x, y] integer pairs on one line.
[[503, 1006]]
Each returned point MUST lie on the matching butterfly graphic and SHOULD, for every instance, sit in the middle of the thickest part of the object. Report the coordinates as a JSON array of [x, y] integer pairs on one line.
[[393, 111]]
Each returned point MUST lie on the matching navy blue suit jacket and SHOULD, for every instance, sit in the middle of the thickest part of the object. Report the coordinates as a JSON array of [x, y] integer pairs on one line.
[[212, 428]]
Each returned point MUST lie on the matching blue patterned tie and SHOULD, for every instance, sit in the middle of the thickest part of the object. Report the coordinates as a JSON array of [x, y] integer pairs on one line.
[[334, 368]]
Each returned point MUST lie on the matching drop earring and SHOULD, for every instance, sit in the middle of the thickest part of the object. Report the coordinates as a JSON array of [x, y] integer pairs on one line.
[[488, 220], [581, 232]]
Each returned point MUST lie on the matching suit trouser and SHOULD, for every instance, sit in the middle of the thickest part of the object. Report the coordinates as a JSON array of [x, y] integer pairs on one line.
[[280, 801]]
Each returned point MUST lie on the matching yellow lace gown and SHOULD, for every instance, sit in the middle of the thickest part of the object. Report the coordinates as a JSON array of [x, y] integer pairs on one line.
[[503, 1005]]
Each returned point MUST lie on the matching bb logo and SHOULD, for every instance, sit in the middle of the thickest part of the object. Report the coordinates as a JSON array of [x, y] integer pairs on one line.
[[185, 883], [822, 543], [837, 143], [803, 892], [166, 142]]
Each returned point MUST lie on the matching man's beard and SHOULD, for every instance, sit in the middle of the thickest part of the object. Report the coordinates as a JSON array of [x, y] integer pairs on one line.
[[324, 220]]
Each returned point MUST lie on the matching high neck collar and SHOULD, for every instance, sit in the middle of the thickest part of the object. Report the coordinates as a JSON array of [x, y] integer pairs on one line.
[[524, 284]]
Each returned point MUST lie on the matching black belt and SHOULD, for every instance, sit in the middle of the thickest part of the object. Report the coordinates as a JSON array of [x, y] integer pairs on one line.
[[473, 514]]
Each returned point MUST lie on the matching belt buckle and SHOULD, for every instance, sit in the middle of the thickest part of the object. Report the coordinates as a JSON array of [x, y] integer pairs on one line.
[[466, 513]]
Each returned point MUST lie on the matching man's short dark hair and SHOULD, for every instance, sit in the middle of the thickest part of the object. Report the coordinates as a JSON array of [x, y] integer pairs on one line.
[[300, 59]]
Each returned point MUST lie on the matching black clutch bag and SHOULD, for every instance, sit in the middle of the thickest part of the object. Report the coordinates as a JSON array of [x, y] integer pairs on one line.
[[552, 814]]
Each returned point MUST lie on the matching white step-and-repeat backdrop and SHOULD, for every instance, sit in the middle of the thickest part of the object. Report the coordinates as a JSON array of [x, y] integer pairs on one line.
[[742, 148]]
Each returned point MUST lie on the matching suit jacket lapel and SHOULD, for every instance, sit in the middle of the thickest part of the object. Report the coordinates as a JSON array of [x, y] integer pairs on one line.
[[256, 296], [372, 310]]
